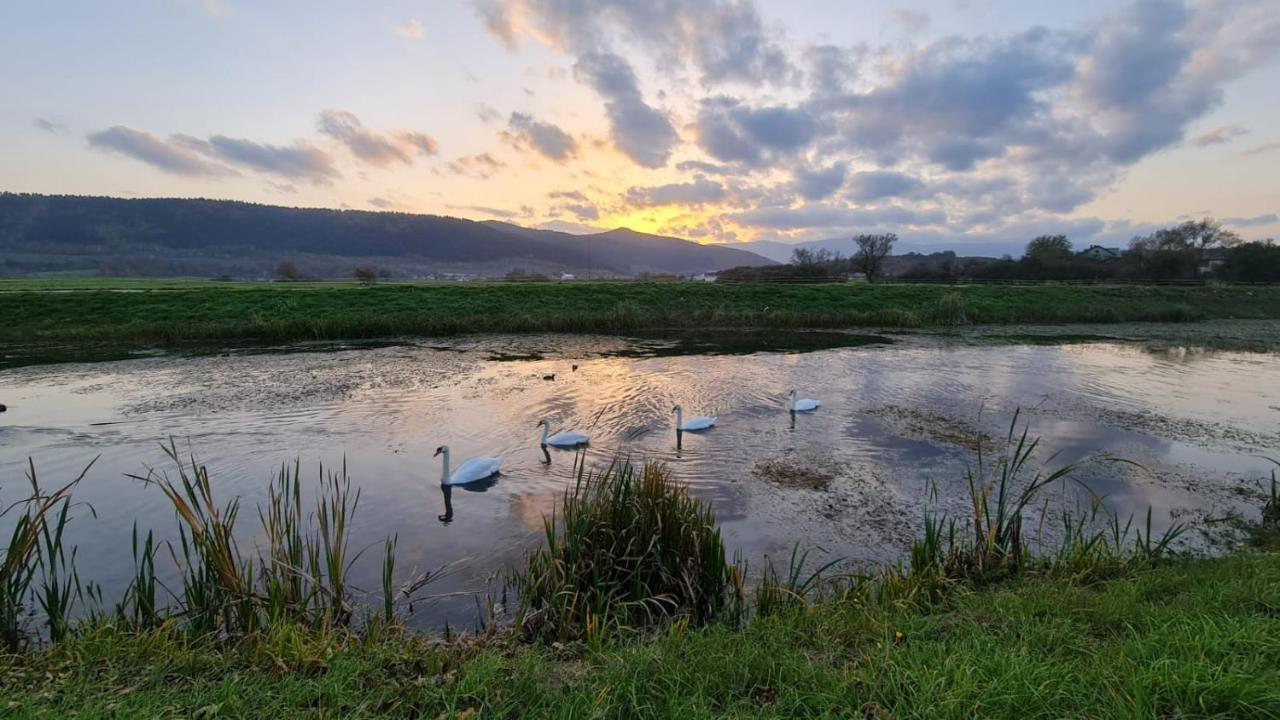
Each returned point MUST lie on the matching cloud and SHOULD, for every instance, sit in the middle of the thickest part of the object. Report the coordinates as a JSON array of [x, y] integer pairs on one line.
[[378, 149], [50, 126], [956, 102], [818, 184], [574, 195], [381, 203], [581, 211], [731, 131], [410, 29], [723, 40], [1158, 65], [1260, 149], [482, 165], [639, 131], [547, 138], [487, 113], [166, 155], [300, 161], [1256, 221], [879, 184], [699, 192], [912, 22], [835, 217], [491, 211], [1219, 135], [706, 168], [830, 69]]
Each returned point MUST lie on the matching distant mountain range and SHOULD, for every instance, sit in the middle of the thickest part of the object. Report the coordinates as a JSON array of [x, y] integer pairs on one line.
[[53, 234]]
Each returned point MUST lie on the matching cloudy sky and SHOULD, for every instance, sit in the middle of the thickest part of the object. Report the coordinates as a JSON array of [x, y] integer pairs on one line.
[[947, 121]]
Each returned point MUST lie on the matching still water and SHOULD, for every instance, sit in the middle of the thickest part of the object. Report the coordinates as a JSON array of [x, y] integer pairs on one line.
[[894, 434]]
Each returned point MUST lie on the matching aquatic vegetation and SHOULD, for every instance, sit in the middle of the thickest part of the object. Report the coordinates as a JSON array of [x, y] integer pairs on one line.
[[992, 543], [793, 474], [628, 549], [798, 588], [299, 578], [36, 566], [1266, 534], [951, 310], [918, 423]]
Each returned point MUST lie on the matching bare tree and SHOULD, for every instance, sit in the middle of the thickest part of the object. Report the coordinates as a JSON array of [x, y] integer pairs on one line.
[[366, 274], [802, 257], [872, 250]]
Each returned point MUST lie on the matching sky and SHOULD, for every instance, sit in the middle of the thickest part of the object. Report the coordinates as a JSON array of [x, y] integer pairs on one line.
[[950, 122]]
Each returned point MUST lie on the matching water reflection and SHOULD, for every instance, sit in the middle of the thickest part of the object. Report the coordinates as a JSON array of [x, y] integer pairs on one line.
[[478, 486], [1192, 425]]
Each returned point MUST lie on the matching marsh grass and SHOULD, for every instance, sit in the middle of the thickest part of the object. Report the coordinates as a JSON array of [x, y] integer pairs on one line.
[[628, 549], [800, 586], [299, 577], [219, 313], [37, 568], [992, 543], [1266, 533]]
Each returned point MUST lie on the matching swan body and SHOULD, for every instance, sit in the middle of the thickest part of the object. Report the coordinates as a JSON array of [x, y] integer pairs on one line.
[[803, 404], [567, 438], [469, 471], [695, 423]]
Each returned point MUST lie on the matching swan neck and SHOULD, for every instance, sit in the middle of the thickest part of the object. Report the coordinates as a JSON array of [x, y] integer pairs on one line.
[[444, 475], [546, 430], [679, 416]]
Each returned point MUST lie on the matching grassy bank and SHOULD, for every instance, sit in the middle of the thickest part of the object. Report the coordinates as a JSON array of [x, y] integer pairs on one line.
[[1187, 639], [174, 312]]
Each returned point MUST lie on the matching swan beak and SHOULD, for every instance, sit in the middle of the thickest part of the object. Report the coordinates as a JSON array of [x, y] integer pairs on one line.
[[438, 451]]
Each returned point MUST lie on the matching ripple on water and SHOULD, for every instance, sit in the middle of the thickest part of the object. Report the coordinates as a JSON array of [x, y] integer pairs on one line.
[[1191, 419]]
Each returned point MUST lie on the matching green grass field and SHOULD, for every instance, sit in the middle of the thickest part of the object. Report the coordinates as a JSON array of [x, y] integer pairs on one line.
[[1188, 639], [162, 312]]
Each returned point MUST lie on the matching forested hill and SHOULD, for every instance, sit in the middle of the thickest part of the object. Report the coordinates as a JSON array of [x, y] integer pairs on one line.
[[41, 233]]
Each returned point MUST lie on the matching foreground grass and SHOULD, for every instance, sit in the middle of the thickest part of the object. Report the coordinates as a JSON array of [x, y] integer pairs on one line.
[[1186, 639], [175, 312]]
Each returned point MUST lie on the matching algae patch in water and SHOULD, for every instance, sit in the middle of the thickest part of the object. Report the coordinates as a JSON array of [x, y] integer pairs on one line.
[[790, 474], [670, 343], [922, 424]]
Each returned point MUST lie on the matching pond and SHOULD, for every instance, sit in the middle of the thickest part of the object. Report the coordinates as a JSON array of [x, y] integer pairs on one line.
[[900, 420]]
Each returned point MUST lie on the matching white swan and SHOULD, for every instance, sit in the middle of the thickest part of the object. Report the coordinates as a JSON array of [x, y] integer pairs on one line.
[[469, 471], [564, 439], [803, 404], [697, 422]]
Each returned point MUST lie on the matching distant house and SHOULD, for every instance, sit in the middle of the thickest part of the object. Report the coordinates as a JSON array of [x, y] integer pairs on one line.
[[1213, 258], [705, 277], [568, 276], [1099, 253]]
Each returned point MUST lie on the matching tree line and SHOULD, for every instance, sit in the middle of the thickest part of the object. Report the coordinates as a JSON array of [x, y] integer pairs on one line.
[[1193, 250]]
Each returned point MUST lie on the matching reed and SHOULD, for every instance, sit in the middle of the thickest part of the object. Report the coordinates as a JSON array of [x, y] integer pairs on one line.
[[36, 567], [799, 587], [629, 548], [992, 544], [299, 577]]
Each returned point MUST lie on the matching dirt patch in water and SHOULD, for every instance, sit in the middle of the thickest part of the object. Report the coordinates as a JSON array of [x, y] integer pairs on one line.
[[925, 425]]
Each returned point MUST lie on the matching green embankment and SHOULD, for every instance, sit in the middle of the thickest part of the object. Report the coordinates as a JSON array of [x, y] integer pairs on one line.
[[175, 312], [1186, 639]]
